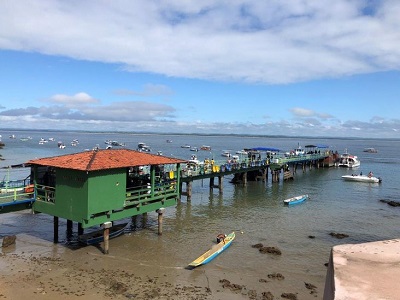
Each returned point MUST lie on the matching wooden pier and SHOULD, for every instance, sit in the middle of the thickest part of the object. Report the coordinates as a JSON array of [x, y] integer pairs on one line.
[[249, 169]]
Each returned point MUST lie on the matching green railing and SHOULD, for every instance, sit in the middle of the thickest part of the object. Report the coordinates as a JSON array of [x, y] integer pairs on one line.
[[45, 193], [141, 195]]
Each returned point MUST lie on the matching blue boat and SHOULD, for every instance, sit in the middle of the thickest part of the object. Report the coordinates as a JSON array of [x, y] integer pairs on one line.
[[214, 251], [295, 200]]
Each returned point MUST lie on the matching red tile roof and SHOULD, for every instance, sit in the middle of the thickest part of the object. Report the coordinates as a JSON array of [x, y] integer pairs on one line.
[[104, 159]]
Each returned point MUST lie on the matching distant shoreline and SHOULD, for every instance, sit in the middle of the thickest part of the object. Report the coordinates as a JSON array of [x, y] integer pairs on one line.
[[195, 134]]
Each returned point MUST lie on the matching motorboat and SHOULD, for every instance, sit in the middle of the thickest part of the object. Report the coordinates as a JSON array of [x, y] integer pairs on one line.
[[204, 147], [347, 160], [143, 147], [362, 178], [241, 152], [370, 150], [226, 153]]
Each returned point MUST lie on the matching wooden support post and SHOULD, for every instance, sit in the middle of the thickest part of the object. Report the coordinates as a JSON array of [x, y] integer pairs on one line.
[[221, 184], [55, 223], [160, 212], [133, 221], [69, 228], [80, 229], [245, 178], [189, 190], [106, 236], [144, 220], [211, 183]]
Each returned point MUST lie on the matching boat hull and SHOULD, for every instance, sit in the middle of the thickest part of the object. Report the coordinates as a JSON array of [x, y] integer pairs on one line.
[[361, 178], [213, 252], [295, 200]]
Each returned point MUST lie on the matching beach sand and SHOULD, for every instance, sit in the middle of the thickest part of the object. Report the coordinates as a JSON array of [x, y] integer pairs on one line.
[[34, 268]]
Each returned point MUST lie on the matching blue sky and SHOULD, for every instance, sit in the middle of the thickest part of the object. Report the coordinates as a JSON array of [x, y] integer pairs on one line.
[[298, 68]]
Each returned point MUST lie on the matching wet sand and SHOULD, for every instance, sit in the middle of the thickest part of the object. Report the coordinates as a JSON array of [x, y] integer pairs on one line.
[[38, 269]]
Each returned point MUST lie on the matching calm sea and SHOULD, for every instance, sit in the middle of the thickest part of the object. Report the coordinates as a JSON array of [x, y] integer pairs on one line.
[[256, 211]]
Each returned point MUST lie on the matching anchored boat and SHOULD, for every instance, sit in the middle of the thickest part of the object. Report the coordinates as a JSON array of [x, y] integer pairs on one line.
[[295, 200], [214, 251]]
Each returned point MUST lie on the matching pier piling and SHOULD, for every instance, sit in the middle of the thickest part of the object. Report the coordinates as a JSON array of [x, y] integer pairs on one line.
[[106, 236], [160, 212], [55, 224]]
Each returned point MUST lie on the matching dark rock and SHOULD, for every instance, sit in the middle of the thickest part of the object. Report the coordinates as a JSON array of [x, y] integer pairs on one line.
[[311, 236], [8, 240], [310, 286], [391, 202], [290, 296], [278, 276], [267, 296], [258, 246], [339, 235], [271, 250]]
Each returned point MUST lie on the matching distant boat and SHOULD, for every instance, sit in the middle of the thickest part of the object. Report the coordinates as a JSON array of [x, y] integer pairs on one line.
[[214, 251], [362, 178], [370, 150], [169, 141], [185, 146], [194, 149], [348, 161], [226, 153], [295, 200], [143, 147], [96, 237], [204, 147]]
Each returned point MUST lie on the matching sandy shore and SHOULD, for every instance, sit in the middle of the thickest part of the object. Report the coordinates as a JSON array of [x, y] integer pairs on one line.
[[37, 269]]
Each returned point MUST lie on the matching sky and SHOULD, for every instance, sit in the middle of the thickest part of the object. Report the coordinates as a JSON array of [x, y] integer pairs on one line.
[[277, 67]]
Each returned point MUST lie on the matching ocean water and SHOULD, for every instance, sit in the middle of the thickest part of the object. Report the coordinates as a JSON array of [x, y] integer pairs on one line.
[[255, 211]]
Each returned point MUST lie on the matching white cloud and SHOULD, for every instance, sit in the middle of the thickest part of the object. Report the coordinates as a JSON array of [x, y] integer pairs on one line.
[[255, 41], [74, 100]]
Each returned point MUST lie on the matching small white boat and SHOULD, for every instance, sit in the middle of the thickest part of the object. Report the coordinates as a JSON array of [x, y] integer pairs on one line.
[[142, 147], [362, 178], [370, 150], [348, 161], [226, 153], [296, 200], [241, 152]]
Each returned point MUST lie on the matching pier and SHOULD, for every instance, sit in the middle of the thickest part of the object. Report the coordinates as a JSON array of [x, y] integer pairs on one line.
[[254, 167], [99, 187]]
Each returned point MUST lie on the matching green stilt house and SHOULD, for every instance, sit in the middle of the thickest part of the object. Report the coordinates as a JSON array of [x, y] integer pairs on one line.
[[99, 186]]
